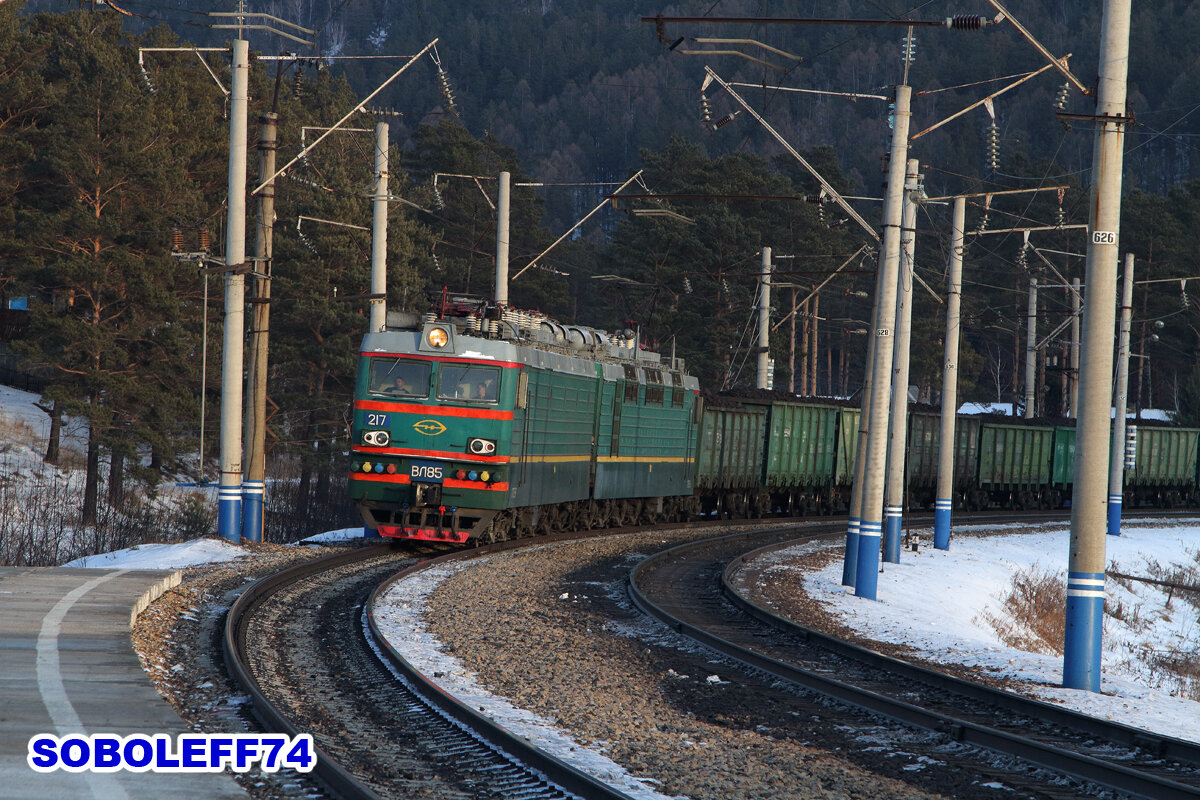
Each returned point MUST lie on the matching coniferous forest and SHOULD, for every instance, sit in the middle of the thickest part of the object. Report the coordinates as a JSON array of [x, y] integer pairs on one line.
[[113, 178]]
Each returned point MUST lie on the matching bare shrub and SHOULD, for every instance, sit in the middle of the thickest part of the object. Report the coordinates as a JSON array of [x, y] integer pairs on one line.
[[299, 504], [194, 518], [1032, 614], [16, 430], [1182, 668]]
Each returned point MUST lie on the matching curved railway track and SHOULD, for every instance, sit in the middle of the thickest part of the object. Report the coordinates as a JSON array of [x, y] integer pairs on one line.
[[688, 588], [383, 731], [302, 646]]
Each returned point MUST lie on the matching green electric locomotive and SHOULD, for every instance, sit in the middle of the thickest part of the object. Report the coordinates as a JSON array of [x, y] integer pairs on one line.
[[474, 422]]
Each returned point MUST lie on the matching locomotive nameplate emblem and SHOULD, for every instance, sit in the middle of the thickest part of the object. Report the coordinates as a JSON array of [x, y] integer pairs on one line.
[[429, 471], [429, 427]]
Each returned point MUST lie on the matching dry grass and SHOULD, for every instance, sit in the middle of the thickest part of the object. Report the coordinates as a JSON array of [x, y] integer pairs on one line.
[[1181, 665], [1032, 614], [1032, 617], [16, 430]]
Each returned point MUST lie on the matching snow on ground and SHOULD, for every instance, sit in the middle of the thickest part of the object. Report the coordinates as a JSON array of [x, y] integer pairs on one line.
[[399, 617], [164, 556], [1007, 409], [932, 601], [935, 601], [333, 537], [191, 554], [17, 406]]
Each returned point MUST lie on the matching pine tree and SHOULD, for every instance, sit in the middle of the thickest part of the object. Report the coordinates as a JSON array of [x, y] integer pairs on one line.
[[99, 192]]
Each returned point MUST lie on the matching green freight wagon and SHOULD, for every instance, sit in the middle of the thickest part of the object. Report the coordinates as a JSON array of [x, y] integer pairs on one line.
[[1062, 466], [1164, 470], [847, 449], [800, 456], [1014, 465], [730, 456], [924, 444]]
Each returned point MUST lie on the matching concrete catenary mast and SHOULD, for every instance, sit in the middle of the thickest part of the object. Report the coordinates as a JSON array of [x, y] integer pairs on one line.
[[1085, 570], [943, 504], [229, 492]]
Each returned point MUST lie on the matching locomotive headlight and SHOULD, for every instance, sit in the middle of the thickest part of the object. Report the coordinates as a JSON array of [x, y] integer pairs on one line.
[[376, 438], [481, 446], [437, 337]]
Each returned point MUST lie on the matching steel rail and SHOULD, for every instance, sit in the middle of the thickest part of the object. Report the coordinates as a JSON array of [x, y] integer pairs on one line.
[[555, 770], [1155, 743], [1049, 756], [328, 772], [335, 778]]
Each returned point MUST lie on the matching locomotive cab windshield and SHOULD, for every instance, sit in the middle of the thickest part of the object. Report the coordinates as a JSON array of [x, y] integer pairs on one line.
[[468, 382], [400, 377]]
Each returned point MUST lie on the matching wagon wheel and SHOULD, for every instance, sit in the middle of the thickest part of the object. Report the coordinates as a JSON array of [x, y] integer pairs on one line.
[[498, 529], [689, 509], [789, 505], [567, 514], [738, 505], [576, 516], [523, 526], [719, 505], [596, 516], [762, 504], [682, 509], [670, 510], [548, 520]]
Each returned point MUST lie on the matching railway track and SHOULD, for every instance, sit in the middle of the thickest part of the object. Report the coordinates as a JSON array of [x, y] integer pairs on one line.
[[302, 646], [688, 588], [382, 731]]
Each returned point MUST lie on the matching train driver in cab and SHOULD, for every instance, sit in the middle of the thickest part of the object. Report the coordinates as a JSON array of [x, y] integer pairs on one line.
[[485, 390], [401, 382]]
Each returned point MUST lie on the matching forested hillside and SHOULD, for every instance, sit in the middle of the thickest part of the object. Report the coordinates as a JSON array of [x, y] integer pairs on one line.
[[578, 88]]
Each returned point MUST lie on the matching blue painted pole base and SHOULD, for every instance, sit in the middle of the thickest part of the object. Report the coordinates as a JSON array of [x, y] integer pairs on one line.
[[893, 519], [1082, 645], [941, 524], [252, 511], [1114, 515], [850, 561], [229, 513], [866, 580]]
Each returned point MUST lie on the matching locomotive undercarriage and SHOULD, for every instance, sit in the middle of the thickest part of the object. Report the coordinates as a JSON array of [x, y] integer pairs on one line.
[[584, 515]]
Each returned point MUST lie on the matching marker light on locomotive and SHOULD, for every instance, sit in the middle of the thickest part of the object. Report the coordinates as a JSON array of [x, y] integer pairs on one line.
[[437, 336], [376, 438], [481, 446]]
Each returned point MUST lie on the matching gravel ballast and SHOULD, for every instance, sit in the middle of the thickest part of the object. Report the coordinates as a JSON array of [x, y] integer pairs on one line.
[[178, 638], [550, 628]]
